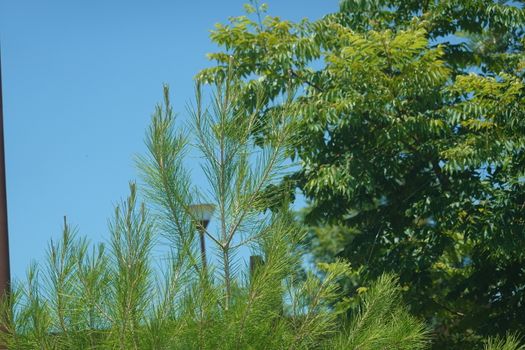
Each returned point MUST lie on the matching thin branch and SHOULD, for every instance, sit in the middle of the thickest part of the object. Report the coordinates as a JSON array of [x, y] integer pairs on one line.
[[304, 80]]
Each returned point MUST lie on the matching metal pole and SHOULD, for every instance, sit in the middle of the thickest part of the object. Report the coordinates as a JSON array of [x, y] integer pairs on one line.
[[201, 227], [5, 272]]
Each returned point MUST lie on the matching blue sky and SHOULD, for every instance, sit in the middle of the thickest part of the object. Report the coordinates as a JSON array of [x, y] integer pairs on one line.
[[80, 81]]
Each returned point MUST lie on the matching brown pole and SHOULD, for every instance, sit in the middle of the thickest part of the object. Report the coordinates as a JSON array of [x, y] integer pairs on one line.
[[5, 272], [256, 261], [201, 226]]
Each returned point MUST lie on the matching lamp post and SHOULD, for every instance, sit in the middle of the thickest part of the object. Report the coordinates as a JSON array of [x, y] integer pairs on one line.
[[5, 273], [202, 214]]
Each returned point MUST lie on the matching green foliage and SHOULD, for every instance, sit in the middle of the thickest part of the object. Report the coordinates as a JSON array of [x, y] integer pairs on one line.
[[411, 128], [382, 322], [113, 296], [510, 342]]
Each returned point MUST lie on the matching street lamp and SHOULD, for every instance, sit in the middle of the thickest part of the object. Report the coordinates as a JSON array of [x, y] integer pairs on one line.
[[202, 214]]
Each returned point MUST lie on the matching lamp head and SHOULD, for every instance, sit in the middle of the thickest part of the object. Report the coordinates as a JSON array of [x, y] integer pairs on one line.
[[202, 213]]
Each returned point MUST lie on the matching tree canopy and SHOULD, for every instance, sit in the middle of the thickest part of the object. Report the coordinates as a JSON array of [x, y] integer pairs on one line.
[[412, 145]]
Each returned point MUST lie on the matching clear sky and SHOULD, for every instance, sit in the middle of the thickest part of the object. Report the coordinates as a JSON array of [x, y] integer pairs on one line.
[[80, 80]]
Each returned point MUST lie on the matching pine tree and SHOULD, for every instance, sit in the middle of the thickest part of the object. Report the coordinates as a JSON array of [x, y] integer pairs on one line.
[[121, 295]]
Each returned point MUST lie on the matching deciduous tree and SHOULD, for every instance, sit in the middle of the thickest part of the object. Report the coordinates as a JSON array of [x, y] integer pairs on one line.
[[412, 145]]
